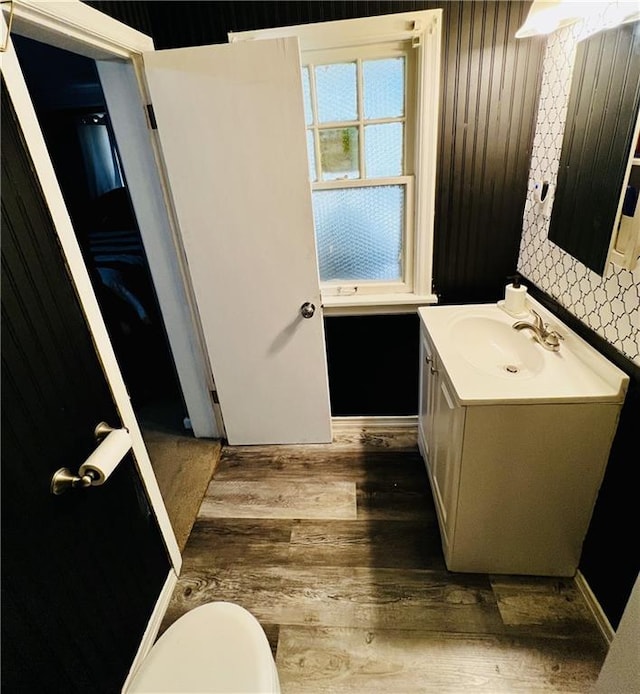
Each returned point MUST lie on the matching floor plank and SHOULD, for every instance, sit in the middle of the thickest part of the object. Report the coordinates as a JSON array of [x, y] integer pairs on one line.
[[320, 659], [227, 542], [346, 596], [293, 499], [380, 501], [367, 543], [550, 606], [359, 465]]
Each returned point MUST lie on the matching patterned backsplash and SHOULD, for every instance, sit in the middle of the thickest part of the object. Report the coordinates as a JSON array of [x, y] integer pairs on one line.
[[609, 305]]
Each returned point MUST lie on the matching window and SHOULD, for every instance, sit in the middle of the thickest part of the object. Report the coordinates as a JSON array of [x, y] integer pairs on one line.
[[370, 89], [356, 120]]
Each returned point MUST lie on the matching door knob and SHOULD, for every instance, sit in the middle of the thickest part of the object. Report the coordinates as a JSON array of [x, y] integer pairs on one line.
[[307, 309]]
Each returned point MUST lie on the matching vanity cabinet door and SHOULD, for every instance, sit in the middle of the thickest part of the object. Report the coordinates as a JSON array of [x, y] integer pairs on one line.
[[440, 432], [446, 453]]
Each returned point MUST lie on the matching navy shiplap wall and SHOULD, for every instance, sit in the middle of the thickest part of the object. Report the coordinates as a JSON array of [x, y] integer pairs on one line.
[[488, 106], [490, 85]]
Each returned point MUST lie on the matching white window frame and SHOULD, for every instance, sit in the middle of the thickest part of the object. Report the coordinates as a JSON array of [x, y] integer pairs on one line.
[[404, 284], [423, 31]]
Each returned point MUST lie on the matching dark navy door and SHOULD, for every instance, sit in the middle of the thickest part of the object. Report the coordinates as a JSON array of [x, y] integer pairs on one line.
[[81, 572]]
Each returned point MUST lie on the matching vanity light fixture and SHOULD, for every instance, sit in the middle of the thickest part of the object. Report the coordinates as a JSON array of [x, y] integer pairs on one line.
[[546, 16]]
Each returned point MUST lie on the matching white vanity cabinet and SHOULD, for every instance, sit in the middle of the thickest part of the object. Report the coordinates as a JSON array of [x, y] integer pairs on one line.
[[514, 477]]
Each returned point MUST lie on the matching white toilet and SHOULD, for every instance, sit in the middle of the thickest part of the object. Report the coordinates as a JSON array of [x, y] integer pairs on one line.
[[216, 648]]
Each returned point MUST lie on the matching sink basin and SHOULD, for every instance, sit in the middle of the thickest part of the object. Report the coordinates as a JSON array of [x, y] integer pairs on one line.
[[488, 362], [496, 348]]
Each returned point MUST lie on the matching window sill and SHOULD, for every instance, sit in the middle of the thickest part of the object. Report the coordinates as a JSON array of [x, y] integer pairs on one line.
[[380, 304]]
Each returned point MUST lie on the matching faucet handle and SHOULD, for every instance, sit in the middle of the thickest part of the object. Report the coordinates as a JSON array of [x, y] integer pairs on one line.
[[537, 319], [552, 339]]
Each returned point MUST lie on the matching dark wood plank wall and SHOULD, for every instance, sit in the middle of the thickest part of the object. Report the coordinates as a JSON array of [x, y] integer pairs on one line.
[[489, 98]]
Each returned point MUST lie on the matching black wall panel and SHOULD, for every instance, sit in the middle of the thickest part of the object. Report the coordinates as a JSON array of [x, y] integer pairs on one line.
[[488, 110], [373, 364]]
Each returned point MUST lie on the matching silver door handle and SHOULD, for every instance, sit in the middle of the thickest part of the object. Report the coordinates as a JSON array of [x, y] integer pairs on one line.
[[114, 444], [307, 309]]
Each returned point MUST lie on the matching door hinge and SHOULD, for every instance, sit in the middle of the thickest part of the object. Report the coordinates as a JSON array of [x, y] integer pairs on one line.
[[152, 117], [214, 397]]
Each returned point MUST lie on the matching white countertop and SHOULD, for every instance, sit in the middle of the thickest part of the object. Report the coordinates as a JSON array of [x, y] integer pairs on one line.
[[472, 354]]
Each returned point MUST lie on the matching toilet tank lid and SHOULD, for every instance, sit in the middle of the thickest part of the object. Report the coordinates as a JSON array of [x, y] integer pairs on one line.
[[217, 647]]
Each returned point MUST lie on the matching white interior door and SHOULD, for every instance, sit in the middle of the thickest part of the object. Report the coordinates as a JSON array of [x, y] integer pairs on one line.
[[231, 126]]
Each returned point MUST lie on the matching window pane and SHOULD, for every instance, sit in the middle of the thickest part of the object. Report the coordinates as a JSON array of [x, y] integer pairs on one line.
[[311, 155], [306, 90], [383, 150], [336, 92], [339, 153], [359, 232], [383, 88]]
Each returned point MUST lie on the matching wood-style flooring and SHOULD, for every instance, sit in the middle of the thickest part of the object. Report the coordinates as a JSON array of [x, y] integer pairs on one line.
[[335, 549]]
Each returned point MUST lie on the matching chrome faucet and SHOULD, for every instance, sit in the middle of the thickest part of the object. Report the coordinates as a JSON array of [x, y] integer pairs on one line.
[[549, 339]]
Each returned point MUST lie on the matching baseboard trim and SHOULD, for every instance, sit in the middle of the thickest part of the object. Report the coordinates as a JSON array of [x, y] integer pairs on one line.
[[604, 625], [153, 626], [373, 423]]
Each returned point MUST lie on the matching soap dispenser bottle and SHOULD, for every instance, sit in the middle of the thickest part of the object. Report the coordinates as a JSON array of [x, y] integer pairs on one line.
[[515, 298]]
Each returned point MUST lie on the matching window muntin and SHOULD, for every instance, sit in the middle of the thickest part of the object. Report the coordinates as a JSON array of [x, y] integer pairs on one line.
[[356, 118]]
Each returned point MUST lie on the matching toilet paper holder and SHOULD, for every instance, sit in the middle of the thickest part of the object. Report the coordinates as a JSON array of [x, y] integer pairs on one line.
[[89, 476]]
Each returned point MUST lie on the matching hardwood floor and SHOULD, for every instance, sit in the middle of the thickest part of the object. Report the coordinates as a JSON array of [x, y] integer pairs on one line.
[[336, 550]]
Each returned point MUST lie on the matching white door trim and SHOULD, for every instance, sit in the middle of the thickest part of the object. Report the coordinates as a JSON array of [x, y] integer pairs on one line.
[[36, 145], [76, 27], [153, 626], [163, 250]]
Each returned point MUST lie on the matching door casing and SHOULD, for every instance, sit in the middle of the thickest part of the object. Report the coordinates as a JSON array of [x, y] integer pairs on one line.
[[117, 49]]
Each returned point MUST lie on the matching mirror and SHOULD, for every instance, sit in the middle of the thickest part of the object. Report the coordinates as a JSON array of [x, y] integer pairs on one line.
[[601, 117]]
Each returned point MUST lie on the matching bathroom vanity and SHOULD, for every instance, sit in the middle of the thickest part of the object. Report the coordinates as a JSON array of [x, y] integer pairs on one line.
[[515, 438]]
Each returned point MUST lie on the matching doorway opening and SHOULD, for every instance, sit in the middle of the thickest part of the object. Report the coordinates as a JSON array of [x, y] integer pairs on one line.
[[68, 100]]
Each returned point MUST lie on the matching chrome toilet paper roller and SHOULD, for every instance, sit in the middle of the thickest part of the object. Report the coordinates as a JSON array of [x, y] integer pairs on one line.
[[114, 444]]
